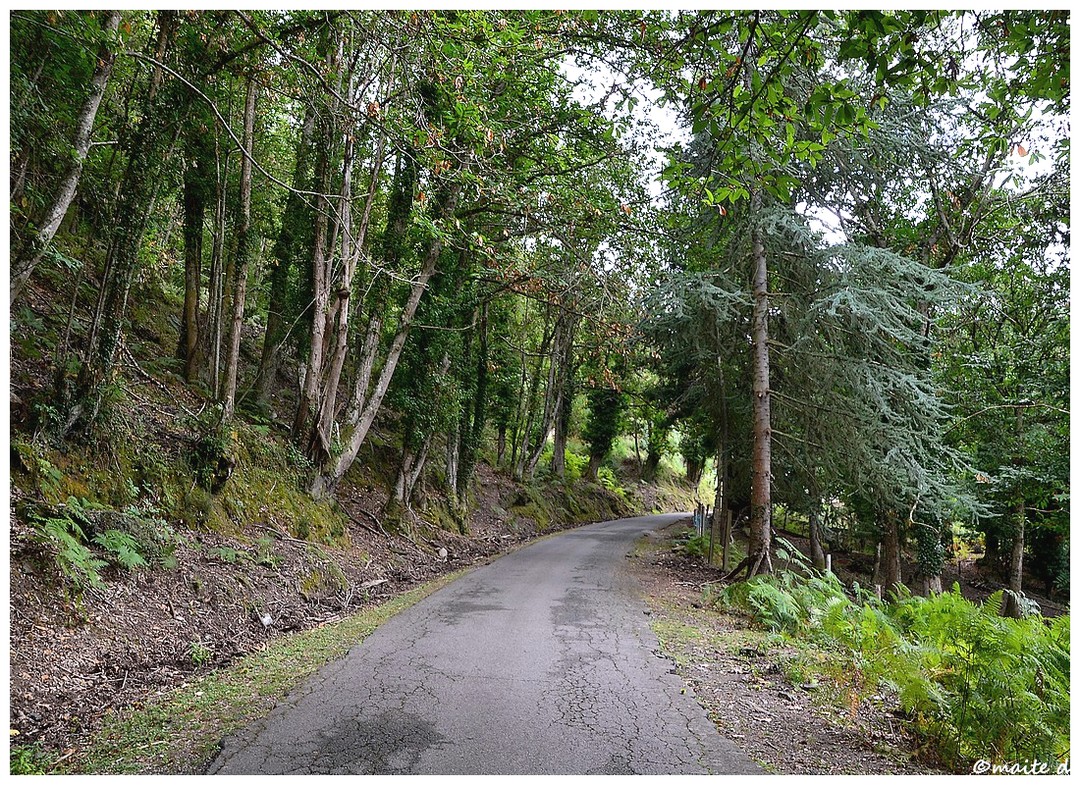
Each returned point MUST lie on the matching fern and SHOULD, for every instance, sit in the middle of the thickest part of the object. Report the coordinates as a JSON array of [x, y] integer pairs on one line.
[[977, 685], [75, 561], [772, 606], [123, 548], [787, 552], [692, 544]]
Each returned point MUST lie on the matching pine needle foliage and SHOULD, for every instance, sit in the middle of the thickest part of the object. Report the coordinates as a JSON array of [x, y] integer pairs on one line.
[[976, 685]]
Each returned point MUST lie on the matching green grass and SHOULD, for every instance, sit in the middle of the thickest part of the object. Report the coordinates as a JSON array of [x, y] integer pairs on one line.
[[677, 637], [28, 758], [179, 732]]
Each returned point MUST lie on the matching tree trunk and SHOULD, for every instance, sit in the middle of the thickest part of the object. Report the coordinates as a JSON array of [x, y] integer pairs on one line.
[[516, 419], [726, 540], [413, 478], [473, 426], [593, 468], [453, 462], [722, 504], [292, 240], [525, 461], [929, 585], [714, 516], [409, 470], [147, 148], [274, 335], [558, 378], [187, 348], [244, 252], [23, 265], [652, 463], [564, 401], [392, 244], [352, 243], [817, 552], [305, 430], [716, 524], [562, 418], [1010, 605], [694, 468], [396, 500], [327, 479], [320, 293], [216, 284], [758, 558], [891, 575]]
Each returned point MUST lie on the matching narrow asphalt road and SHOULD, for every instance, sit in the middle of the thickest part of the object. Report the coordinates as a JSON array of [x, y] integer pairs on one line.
[[541, 662]]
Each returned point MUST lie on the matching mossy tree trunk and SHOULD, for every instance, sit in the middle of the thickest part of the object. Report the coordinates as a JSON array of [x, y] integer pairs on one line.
[[527, 413], [294, 240], [147, 148], [564, 401], [474, 411], [244, 252], [194, 197]]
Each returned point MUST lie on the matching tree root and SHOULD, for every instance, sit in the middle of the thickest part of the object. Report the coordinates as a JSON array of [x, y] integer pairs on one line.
[[754, 564]]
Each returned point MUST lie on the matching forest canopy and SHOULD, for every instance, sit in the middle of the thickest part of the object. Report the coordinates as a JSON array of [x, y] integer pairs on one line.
[[844, 288]]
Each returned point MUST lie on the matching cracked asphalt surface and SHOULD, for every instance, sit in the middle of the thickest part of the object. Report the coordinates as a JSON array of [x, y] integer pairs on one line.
[[541, 662]]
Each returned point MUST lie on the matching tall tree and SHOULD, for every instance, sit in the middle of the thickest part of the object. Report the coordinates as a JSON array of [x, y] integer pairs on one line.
[[147, 147], [245, 249], [27, 258]]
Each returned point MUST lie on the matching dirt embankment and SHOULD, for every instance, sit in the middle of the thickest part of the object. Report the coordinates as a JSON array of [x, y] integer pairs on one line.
[[77, 657]]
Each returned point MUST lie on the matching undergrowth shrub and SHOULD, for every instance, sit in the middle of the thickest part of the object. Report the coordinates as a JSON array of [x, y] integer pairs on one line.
[[692, 544], [606, 477], [28, 759], [66, 541], [122, 547], [575, 465], [975, 684], [67, 533], [46, 477]]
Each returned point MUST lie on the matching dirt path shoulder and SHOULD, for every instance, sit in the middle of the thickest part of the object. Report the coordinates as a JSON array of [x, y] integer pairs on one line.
[[739, 676]]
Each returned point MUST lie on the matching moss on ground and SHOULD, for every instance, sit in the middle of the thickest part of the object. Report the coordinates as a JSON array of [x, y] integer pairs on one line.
[[266, 486]]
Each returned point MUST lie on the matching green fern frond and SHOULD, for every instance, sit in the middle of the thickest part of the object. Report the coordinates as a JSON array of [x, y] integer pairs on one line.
[[122, 547], [978, 684]]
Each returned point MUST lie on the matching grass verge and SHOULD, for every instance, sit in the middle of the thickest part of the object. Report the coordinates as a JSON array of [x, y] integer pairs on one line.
[[179, 733]]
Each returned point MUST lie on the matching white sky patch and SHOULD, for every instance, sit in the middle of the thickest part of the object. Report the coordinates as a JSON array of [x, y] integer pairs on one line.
[[659, 125], [651, 119]]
